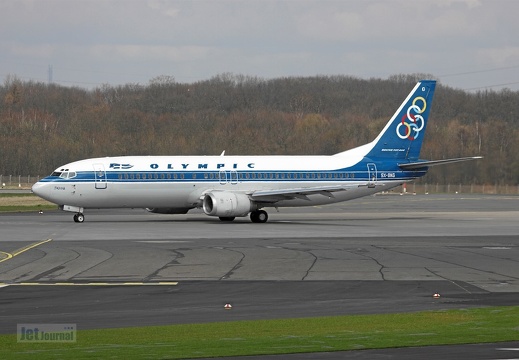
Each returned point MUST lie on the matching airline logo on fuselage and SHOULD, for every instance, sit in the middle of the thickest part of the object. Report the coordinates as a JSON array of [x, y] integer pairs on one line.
[[169, 166], [120, 166], [219, 166]]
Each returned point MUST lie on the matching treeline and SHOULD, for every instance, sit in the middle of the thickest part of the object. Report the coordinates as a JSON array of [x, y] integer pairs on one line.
[[43, 126]]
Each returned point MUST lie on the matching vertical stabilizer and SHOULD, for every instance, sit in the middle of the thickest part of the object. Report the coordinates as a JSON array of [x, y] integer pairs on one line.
[[403, 135]]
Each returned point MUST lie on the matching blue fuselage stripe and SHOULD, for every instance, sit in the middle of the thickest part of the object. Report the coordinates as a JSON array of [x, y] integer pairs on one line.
[[235, 176]]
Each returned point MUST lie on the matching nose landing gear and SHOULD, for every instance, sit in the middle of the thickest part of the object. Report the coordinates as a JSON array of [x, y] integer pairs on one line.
[[79, 217]]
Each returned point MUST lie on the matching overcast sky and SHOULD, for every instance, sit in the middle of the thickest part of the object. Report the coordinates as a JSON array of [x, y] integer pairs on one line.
[[468, 44]]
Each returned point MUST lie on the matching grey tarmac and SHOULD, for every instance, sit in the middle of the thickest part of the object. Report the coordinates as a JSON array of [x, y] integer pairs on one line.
[[386, 253]]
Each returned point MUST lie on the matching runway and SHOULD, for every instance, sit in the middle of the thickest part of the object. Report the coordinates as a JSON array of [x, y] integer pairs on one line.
[[386, 253]]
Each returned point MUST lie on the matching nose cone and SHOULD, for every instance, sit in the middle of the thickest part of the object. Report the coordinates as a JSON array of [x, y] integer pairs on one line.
[[42, 189], [36, 188]]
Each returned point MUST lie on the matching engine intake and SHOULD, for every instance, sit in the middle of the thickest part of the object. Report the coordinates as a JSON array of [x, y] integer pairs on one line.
[[227, 204]]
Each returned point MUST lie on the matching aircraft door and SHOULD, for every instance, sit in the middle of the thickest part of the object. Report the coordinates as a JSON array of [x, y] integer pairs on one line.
[[372, 175], [100, 176], [234, 177]]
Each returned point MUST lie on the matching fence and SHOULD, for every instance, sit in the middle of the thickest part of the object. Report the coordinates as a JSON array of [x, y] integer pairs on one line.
[[26, 181], [459, 189], [18, 181]]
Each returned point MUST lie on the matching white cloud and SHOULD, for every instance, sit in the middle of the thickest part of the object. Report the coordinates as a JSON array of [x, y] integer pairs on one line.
[[257, 37], [149, 52], [468, 3], [41, 51], [499, 56]]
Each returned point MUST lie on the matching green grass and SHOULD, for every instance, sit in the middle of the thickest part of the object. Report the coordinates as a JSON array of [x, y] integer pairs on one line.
[[8, 195], [279, 336], [22, 208], [23, 202]]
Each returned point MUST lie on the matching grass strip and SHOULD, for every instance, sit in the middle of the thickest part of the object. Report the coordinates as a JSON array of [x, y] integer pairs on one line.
[[23, 202], [9, 195], [284, 336], [23, 208]]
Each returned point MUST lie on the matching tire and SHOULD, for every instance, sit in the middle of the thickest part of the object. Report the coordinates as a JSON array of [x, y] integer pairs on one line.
[[259, 216], [262, 216]]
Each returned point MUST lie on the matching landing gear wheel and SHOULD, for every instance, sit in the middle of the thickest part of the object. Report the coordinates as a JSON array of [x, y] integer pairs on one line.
[[259, 216], [227, 218], [79, 217]]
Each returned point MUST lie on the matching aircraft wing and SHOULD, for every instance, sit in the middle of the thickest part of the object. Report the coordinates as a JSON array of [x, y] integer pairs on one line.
[[422, 164], [296, 193]]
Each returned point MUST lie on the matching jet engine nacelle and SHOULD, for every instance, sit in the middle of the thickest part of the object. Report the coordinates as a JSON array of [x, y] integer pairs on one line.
[[227, 204]]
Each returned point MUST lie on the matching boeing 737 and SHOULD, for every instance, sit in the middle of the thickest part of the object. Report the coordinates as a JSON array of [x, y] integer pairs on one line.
[[236, 186]]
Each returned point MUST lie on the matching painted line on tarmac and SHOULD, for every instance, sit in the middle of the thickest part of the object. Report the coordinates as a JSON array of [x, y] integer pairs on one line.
[[8, 256], [5, 255], [160, 283]]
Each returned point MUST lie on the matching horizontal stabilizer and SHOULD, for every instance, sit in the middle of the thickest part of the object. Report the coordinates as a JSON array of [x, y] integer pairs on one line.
[[422, 164]]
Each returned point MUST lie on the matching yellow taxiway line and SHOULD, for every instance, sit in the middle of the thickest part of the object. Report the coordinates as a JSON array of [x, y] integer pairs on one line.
[[8, 256]]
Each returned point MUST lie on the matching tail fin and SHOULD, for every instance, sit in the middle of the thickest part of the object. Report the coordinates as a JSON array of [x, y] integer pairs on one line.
[[403, 135]]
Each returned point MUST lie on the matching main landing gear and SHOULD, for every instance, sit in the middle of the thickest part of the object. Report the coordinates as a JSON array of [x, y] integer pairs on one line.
[[259, 216], [79, 217]]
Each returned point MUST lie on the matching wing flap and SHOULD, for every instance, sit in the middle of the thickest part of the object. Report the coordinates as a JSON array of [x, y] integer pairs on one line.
[[296, 193]]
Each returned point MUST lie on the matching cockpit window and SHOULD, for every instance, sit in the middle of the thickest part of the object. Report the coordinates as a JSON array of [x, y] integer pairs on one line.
[[56, 173], [66, 174]]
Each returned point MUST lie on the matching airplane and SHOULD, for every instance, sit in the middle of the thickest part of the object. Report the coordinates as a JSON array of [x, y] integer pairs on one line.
[[236, 186]]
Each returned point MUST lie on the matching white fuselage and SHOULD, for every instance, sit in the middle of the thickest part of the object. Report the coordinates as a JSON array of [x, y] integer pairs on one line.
[[180, 182]]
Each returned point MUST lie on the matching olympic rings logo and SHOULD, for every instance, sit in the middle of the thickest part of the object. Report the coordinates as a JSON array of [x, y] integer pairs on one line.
[[412, 122]]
